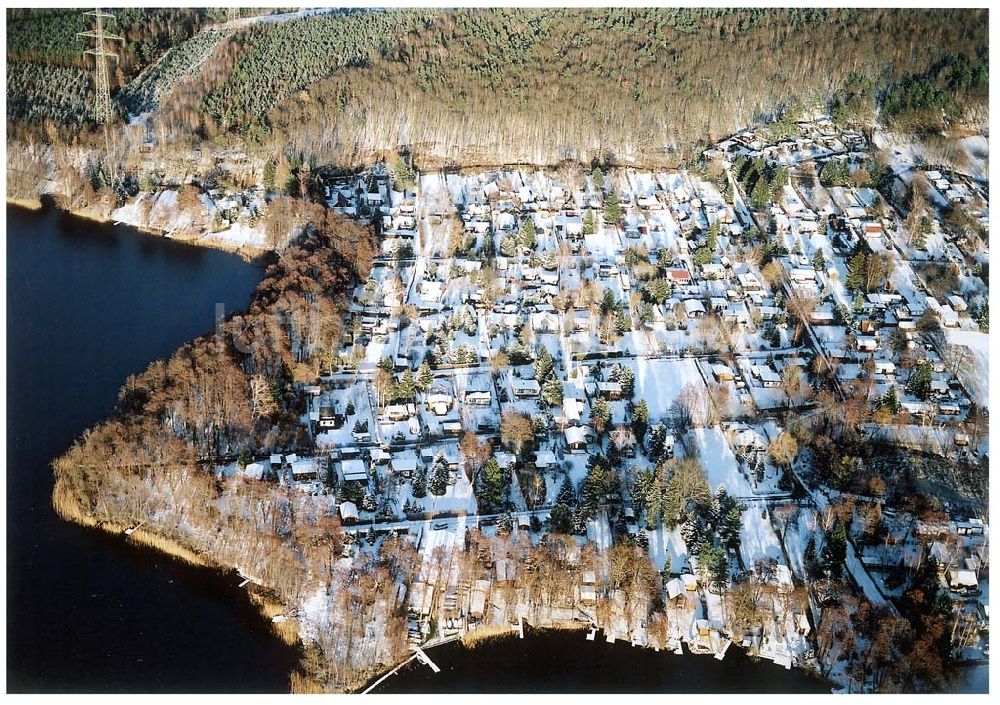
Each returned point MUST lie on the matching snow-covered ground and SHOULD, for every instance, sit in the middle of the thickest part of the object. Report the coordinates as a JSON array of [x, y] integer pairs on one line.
[[719, 461], [161, 211], [970, 154], [976, 376], [660, 383], [797, 536], [757, 537], [240, 236], [599, 531], [664, 543]]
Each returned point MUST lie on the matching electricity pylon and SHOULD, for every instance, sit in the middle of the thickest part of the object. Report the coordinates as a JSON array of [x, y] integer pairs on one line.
[[102, 88]]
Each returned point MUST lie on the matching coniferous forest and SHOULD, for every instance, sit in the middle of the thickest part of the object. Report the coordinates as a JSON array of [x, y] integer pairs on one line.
[[505, 85]]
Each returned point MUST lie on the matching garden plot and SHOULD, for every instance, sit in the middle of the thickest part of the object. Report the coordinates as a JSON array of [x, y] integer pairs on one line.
[[757, 537], [667, 543], [458, 497], [976, 376], [358, 396], [671, 342], [375, 351], [435, 193], [599, 531], [763, 397], [845, 198], [605, 242], [819, 198], [575, 465], [721, 466], [660, 383], [797, 535], [663, 231]]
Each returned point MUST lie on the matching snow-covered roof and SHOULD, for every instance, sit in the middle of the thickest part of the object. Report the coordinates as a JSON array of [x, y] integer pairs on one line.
[[254, 471], [303, 466], [675, 587], [354, 469], [525, 386], [404, 463], [348, 510], [545, 458], [962, 578], [748, 439], [693, 306], [575, 435]]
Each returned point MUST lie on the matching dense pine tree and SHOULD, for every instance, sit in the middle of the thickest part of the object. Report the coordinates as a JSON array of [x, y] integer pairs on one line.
[[834, 549], [420, 483], [439, 476]]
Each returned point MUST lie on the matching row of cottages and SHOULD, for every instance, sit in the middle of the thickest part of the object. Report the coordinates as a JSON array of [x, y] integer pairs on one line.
[[960, 548], [955, 192], [287, 467], [498, 196], [682, 589], [816, 139], [946, 312], [370, 189], [800, 149], [547, 273], [577, 435], [399, 224], [960, 564]]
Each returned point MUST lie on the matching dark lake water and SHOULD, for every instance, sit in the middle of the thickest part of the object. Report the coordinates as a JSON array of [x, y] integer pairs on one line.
[[565, 662], [87, 305]]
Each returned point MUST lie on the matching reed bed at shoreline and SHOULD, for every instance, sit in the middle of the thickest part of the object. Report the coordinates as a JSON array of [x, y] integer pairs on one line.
[[286, 630], [169, 546], [31, 204], [486, 634]]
